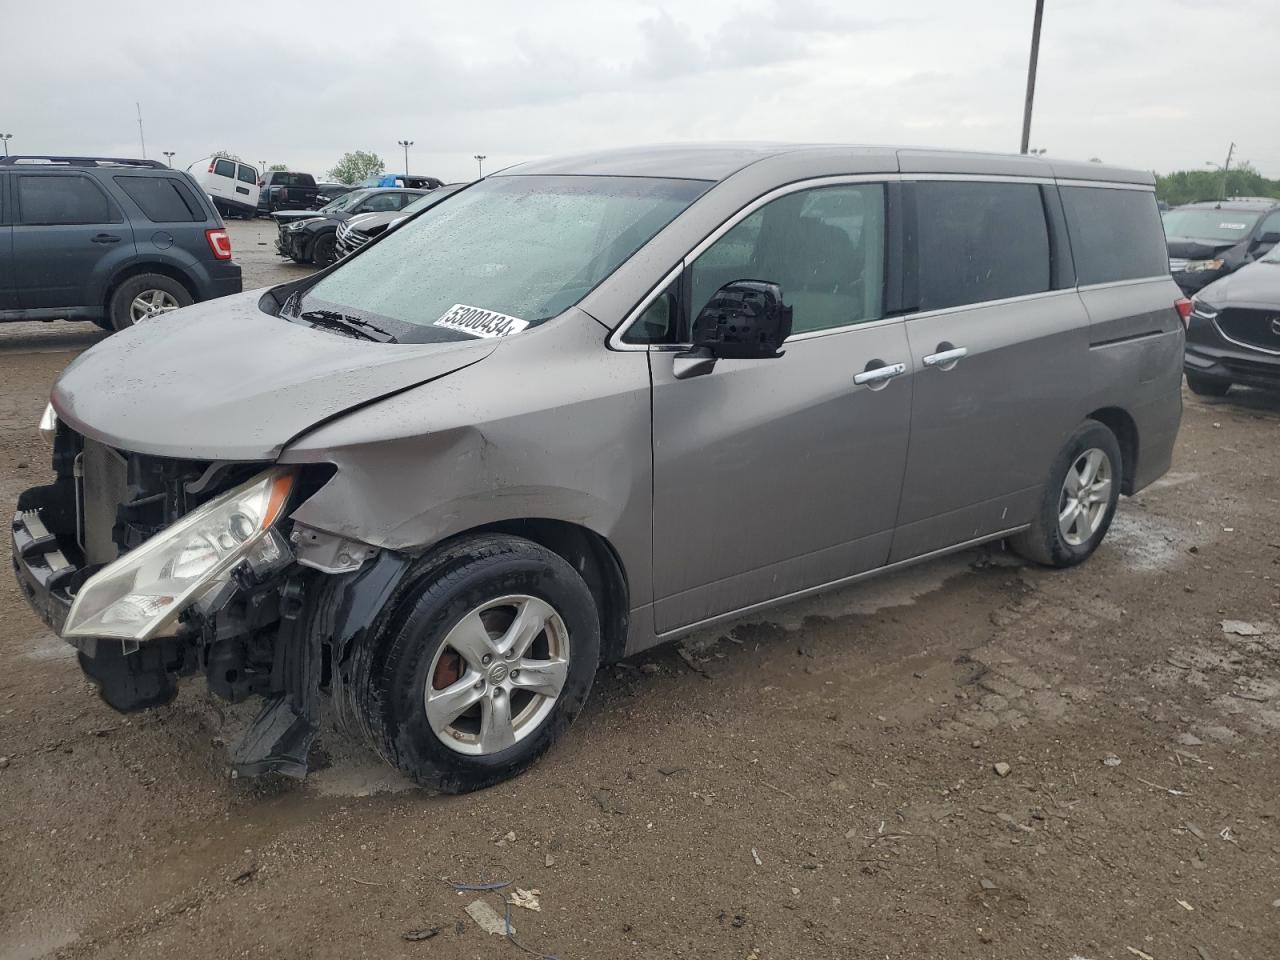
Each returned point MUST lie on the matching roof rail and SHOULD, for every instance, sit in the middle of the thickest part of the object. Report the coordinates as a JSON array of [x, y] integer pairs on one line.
[[33, 160]]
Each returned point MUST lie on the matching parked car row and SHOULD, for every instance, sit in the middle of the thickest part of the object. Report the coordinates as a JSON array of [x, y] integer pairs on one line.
[[312, 236], [238, 190]]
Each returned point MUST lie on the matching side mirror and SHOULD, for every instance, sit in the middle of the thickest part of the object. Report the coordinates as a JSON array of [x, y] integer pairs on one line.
[[745, 320]]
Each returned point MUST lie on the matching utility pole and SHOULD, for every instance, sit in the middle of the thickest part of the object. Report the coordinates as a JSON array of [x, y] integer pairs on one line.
[[1222, 194], [168, 156], [6, 137], [1031, 76], [406, 144], [480, 158], [141, 135]]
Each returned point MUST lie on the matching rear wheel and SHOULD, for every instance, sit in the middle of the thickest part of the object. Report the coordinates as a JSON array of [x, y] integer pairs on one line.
[[324, 250], [146, 297], [1207, 386], [1079, 500], [485, 660]]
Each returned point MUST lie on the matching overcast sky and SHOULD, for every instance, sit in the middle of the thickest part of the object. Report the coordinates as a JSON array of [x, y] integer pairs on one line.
[[1160, 84]]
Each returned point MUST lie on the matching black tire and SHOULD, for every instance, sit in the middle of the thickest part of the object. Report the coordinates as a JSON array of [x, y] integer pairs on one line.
[[1207, 386], [119, 308], [324, 249], [382, 687], [1043, 542]]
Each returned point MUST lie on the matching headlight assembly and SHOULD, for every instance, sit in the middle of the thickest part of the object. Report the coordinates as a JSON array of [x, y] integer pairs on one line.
[[140, 595]]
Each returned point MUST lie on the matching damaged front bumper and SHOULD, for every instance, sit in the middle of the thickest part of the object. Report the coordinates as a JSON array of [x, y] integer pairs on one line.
[[279, 633]]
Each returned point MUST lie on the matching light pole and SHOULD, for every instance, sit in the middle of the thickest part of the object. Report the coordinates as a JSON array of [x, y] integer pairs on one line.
[[406, 144], [1031, 76], [6, 137], [168, 156], [1037, 151], [480, 158], [263, 165]]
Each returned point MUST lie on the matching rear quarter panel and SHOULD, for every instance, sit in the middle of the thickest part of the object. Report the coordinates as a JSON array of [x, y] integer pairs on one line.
[[1136, 343]]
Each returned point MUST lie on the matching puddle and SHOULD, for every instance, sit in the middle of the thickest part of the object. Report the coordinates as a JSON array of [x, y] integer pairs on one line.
[[1149, 544]]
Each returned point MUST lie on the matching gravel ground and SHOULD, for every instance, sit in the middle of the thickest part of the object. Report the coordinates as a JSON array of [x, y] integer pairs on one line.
[[969, 759]]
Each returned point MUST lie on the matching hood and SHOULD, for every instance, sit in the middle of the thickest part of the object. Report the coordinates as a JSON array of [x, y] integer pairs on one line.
[[1189, 248], [288, 216], [1257, 285], [223, 380]]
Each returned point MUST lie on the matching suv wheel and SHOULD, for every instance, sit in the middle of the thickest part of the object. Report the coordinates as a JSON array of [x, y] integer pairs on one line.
[[482, 664], [1207, 386], [146, 297], [1079, 500]]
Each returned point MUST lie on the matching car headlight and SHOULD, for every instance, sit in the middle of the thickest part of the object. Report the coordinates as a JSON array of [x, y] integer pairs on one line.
[[299, 224], [48, 425], [140, 595], [1201, 309], [1200, 266]]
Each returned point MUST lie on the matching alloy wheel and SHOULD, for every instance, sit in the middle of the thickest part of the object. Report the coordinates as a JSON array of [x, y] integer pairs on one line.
[[150, 304], [498, 675], [1085, 496]]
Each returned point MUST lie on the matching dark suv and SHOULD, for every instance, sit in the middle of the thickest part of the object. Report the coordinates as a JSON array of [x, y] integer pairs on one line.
[[108, 240], [1212, 238]]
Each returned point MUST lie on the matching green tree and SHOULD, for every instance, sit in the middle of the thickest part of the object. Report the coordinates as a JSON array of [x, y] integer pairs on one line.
[[277, 168], [1186, 186], [228, 154], [356, 165]]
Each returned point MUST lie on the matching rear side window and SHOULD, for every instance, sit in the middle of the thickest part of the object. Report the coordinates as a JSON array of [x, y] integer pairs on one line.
[[1115, 234], [224, 168], [162, 199], [246, 174], [63, 199], [980, 242]]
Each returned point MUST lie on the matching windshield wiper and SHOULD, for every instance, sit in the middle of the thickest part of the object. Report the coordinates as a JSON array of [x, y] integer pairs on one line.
[[354, 326]]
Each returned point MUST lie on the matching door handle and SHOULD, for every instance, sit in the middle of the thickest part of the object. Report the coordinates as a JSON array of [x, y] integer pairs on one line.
[[106, 238], [879, 375], [945, 359]]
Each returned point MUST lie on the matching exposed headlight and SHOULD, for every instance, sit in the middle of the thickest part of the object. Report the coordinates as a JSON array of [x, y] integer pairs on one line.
[[1199, 266], [299, 224], [140, 595], [48, 426]]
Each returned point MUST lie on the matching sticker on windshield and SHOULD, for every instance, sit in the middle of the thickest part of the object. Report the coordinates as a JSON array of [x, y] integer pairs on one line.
[[479, 322], [1232, 226]]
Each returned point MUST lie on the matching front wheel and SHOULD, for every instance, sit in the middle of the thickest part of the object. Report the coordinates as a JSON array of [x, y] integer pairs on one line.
[[1079, 500], [324, 250], [483, 663]]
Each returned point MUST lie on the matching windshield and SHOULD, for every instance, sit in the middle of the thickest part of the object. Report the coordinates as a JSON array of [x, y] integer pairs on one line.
[[1209, 224], [525, 247], [344, 201]]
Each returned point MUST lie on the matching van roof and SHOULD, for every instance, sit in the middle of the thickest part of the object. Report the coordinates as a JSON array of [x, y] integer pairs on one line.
[[717, 161]]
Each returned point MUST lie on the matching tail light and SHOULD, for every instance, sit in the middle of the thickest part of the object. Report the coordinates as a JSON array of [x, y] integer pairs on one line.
[[211, 163], [219, 243], [1183, 306]]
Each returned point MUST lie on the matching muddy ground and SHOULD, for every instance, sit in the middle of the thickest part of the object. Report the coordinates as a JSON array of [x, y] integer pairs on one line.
[[820, 783]]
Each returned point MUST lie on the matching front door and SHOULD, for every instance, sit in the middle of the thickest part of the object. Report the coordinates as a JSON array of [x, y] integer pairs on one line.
[[1000, 360], [66, 231], [774, 476]]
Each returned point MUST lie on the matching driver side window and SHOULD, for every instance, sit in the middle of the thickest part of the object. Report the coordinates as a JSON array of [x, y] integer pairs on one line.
[[824, 247]]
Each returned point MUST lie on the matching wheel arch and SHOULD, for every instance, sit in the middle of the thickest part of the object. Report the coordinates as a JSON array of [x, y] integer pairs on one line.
[[1121, 423], [596, 561]]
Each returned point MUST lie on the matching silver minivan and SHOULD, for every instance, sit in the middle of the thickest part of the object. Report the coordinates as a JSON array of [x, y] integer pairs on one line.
[[589, 405]]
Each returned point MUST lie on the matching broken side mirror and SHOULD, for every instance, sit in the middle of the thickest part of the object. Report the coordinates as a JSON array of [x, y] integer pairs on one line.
[[744, 320]]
